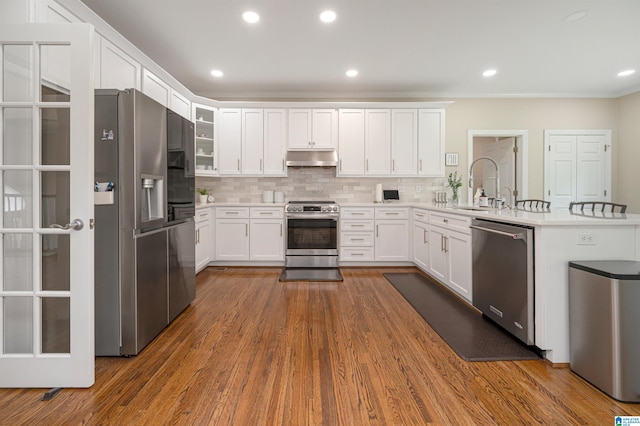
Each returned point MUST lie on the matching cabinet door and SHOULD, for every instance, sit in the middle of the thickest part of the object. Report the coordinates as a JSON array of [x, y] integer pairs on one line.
[[267, 239], [275, 141], [155, 88], [377, 134], [324, 129], [431, 142], [438, 259], [203, 245], [404, 142], [252, 141], [229, 140], [392, 240], [351, 142], [180, 105], [458, 247], [299, 128], [421, 245], [205, 149], [232, 239], [117, 69]]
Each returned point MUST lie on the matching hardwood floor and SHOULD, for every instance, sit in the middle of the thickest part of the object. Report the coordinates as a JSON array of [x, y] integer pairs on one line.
[[254, 351]]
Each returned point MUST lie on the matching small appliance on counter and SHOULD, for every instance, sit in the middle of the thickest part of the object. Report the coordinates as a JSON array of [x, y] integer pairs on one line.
[[390, 195]]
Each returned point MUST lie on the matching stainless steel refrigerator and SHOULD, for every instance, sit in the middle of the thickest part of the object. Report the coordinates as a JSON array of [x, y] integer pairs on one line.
[[136, 247]]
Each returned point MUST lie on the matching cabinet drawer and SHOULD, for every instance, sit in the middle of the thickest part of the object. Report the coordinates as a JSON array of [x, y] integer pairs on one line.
[[239, 212], [392, 213], [356, 213], [356, 225], [356, 254], [356, 239], [202, 215], [266, 212], [420, 215], [453, 222]]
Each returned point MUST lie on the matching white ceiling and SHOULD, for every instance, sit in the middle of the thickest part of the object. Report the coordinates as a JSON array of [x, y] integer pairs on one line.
[[401, 48]]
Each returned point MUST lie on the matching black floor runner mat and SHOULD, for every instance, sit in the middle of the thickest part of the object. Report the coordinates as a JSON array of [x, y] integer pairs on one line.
[[472, 336]]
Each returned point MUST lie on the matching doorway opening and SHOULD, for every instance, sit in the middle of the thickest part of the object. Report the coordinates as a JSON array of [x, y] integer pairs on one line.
[[509, 149]]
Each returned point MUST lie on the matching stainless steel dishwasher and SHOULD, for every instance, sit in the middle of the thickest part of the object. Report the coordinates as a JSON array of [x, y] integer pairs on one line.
[[503, 275]]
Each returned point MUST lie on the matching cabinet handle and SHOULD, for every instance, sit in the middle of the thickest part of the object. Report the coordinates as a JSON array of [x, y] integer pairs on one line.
[[197, 236], [238, 164], [357, 213], [445, 220], [341, 164], [446, 243], [376, 231], [367, 164], [357, 239], [393, 165], [391, 213], [357, 254], [246, 230], [424, 236], [232, 212], [283, 164], [357, 226], [281, 230], [421, 164], [441, 242], [261, 164]]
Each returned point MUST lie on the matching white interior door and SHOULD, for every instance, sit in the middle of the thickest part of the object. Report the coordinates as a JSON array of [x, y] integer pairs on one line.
[[46, 174], [591, 169], [502, 153]]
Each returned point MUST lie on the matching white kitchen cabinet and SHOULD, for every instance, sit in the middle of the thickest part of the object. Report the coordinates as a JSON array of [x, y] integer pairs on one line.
[[267, 239], [252, 141], [311, 129], [155, 88], [117, 69], [421, 239], [357, 234], [392, 234], [450, 252], [229, 140], [404, 142], [203, 238], [351, 142], [275, 141], [205, 146], [377, 135], [431, 142], [180, 104], [232, 239]]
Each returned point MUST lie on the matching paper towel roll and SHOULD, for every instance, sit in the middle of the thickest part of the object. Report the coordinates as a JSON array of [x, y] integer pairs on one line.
[[379, 193]]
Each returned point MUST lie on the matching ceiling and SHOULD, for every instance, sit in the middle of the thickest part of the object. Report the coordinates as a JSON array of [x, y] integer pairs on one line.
[[402, 49]]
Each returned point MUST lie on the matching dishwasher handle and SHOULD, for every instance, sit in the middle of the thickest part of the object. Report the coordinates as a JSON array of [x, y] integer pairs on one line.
[[506, 234]]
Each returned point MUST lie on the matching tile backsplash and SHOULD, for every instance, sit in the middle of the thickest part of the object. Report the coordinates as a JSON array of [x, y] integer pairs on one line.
[[317, 183]]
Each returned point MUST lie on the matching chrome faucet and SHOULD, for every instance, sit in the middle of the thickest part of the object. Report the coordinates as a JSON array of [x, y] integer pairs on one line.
[[510, 204], [497, 174]]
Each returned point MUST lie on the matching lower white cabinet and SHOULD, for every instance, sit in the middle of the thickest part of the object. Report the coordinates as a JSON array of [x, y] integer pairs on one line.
[[420, 239], [450, 253], [267, 239], [203, 239], [232, 239], [392, 240]]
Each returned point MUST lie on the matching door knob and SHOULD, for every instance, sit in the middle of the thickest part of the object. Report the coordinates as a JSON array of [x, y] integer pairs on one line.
[[76, 224]]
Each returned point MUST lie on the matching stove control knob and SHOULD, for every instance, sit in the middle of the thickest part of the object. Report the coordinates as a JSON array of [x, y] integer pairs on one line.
[[335, 208]]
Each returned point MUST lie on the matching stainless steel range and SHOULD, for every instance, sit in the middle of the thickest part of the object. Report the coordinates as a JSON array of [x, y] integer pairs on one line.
[[312, 234]]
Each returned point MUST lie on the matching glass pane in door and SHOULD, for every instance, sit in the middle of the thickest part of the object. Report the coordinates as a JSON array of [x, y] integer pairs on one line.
[[18, 325], [17, 63], [55, 73], [56, 325], [55, 125], [17, 191], [17, 262], [55, 198], [55, 262], [17, 136]]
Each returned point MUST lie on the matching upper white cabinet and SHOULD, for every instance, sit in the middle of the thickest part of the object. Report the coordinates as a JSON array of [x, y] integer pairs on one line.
[[229, 140], [155, 88], [311, 129], [351, 142], [404, 142], [180, 104], [431, 142], [252, 141], [275, 141], [205, 146], [377, 135], [117, 69]]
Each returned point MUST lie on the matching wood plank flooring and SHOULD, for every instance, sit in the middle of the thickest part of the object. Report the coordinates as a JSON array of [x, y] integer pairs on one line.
[[254, 351]]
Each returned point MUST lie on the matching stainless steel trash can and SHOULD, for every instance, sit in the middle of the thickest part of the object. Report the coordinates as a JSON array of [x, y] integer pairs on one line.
[[604, 325]]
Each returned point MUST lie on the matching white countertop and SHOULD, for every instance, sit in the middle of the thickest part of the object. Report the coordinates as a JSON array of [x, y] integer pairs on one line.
[[554, 217]]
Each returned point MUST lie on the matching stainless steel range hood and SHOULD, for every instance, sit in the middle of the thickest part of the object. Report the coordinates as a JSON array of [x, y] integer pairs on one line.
[[312, 158]]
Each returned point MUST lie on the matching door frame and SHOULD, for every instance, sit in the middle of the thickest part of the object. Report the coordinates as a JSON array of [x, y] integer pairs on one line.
[[522, 165]]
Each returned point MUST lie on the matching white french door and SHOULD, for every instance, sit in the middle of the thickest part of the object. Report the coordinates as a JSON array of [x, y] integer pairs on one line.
[[46, 236]]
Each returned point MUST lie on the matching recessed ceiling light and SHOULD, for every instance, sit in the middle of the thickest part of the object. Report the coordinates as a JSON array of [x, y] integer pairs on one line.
[[217, 73], [251, 17], [328, 16], [575, 16], [352, 73], [626, 73], [489, 73]]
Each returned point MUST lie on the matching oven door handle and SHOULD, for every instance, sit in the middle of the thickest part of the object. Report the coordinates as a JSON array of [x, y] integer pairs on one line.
[[312, 216]]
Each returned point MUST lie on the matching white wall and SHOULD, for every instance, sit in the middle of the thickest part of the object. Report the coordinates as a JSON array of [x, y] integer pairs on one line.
[[628, 152]]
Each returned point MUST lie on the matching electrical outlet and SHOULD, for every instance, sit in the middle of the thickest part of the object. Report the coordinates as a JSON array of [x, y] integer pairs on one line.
[[401, 189], [418, 188], [345, 189], [586, 239]]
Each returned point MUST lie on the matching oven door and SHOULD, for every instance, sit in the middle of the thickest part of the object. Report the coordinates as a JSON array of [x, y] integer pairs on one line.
[[312, 236]]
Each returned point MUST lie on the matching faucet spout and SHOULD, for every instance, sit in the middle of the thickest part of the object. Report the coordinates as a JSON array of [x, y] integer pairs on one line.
[[497, 194]]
